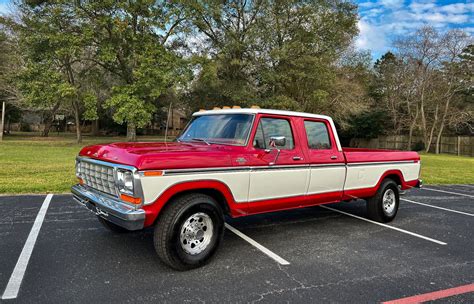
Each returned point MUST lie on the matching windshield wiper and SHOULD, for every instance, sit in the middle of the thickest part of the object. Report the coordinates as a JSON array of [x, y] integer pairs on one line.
[[202, 140]]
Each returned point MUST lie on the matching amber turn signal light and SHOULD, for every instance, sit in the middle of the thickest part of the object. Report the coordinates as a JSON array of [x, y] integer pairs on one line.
[[130, 199], [153, 173]]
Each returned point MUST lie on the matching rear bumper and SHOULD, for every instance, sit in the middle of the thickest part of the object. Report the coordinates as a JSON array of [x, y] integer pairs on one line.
[[109, 208], [419, 184]]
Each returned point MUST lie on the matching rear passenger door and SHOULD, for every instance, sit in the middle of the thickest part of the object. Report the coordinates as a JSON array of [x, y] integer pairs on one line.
[[289, 174], [328, 170]]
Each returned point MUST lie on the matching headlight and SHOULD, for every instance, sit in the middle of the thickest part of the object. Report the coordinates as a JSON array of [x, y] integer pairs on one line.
[[125, 181]]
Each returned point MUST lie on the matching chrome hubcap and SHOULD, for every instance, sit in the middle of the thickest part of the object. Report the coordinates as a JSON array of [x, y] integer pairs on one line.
[[196, 233], [389, 201]]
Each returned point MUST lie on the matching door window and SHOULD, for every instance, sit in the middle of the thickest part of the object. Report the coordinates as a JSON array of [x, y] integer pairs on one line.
[[270, 127], [317, 134]]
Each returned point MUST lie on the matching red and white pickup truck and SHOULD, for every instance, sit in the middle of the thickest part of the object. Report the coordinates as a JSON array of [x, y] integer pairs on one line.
[[234, 162]]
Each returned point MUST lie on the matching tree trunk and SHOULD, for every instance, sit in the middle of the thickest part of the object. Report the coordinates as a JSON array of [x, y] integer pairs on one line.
[[95, 127], [438, 139], [430, 136], [424, 128], [48, 122], [131, 132], [47, 126], [443, 119], [75, 103], [77, 120], [412, 128]]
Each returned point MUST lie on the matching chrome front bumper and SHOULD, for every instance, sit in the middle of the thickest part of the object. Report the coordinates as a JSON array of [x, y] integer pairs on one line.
[[109, 208]]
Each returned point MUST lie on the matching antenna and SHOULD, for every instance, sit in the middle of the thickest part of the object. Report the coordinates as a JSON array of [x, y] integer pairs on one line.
[[167, 122]]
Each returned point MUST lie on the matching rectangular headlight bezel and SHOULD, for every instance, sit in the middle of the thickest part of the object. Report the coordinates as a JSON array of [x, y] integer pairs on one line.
[[125, 181]]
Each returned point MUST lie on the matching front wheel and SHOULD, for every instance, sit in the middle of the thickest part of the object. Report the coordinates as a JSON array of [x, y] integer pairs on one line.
[[189, 231], [383, 206]]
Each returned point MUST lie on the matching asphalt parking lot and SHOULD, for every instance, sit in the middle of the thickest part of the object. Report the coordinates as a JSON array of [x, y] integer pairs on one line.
[[332, 256]]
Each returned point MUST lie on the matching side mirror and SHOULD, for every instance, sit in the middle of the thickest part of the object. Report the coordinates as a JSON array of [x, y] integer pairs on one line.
[[277, 141]]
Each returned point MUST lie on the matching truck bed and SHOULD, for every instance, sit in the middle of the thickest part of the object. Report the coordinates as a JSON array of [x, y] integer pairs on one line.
[[358, 155]]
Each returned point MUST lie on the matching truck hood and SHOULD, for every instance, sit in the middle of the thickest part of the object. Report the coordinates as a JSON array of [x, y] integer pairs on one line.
[[160, 155]]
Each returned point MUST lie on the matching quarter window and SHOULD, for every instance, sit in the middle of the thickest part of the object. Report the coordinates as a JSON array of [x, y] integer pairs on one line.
[[269, 127], [317, 134]]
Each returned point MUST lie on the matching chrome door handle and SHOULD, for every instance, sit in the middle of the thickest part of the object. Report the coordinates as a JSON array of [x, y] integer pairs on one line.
[[334, 157], [297, 158]]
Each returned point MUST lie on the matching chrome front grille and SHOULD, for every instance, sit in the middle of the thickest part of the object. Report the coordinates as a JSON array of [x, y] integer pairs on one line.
[[99, 177]]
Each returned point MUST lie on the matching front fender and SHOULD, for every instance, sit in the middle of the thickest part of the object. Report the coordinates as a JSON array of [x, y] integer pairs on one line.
[[153, 210]]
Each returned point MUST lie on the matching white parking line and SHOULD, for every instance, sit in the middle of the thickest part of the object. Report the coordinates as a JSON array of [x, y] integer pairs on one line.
[[263, 249], [386, 226], [449, 192], [13, 286], [441, 208]]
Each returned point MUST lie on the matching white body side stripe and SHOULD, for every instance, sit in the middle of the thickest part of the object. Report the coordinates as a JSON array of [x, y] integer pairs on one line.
[[261, 183]]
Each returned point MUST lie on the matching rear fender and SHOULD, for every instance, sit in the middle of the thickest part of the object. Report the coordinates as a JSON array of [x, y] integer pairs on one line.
[[369, 192]]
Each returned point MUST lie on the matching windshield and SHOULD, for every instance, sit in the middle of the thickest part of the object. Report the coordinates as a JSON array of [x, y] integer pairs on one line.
[[230, 129]]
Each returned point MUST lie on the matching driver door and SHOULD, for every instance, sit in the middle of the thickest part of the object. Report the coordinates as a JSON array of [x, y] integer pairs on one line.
[[275, 177]]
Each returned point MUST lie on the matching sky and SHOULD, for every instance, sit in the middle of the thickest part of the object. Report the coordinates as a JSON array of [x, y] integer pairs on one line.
[[382, 21]]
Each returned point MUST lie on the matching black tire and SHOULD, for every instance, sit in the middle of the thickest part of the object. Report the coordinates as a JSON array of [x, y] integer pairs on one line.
[[376, 210], [111, 226], [171, 224]]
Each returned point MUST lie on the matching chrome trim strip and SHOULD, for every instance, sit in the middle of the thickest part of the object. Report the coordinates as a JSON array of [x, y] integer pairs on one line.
[[204, 170], [280, 167], [240, 169], [104, 163], [380, 163], [328, 165]]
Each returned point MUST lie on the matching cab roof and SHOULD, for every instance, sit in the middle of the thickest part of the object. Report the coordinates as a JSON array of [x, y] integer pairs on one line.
[[262, 111]]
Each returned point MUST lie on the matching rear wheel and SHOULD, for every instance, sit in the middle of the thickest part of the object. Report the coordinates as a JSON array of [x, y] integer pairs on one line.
[[189, 231], [383, 206]]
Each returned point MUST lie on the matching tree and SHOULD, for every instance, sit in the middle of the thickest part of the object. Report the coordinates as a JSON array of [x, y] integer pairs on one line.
[[456, 73], [130, 42], [229, 31], [53, 57], [429, 59], [300, 46], [44, 89], [280, 54], [9, 63]]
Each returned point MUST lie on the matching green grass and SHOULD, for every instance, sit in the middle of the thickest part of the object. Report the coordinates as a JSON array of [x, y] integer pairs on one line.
[[32, 164], [447, 169]]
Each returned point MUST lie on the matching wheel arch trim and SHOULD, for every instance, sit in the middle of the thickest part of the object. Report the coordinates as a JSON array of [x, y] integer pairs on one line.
[[153, 210]]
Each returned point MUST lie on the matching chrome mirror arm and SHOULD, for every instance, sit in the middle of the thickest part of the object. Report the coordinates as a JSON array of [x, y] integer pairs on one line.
[[276, 141], [276, 158]]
